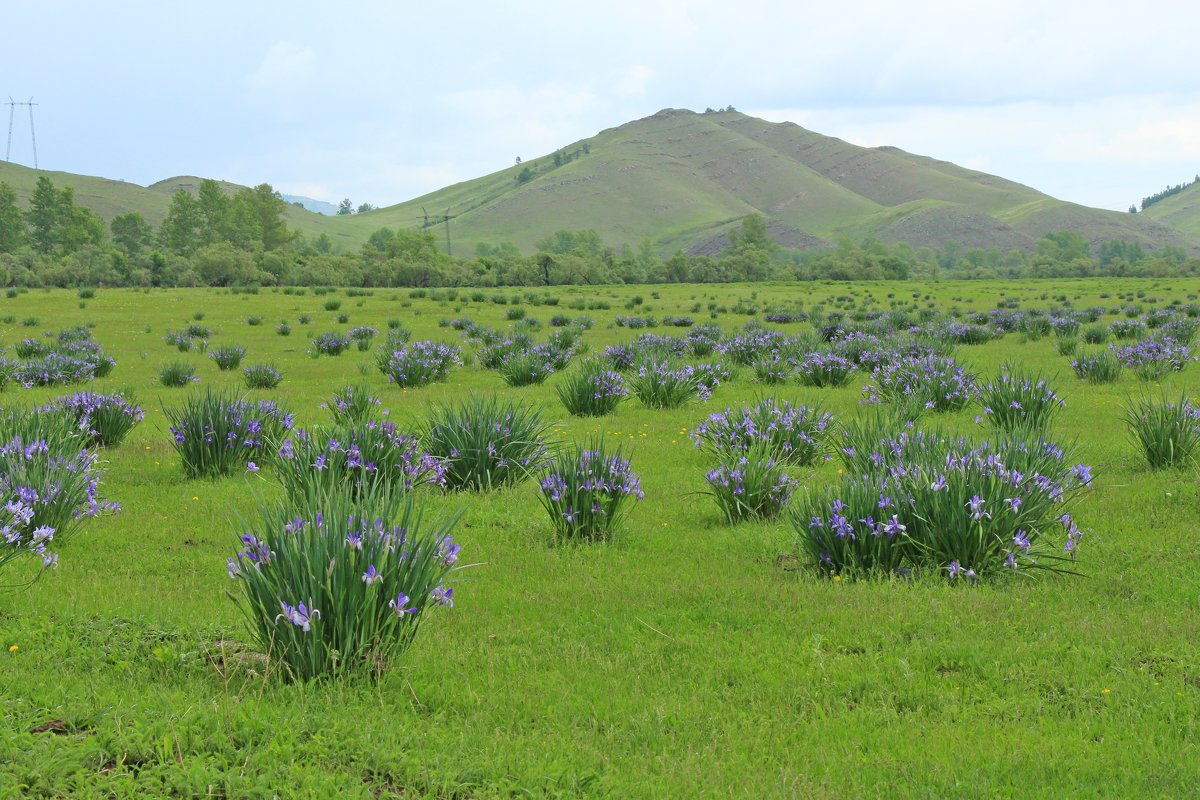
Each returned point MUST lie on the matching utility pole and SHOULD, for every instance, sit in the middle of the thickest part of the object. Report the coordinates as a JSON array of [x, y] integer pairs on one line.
[[12, 108]]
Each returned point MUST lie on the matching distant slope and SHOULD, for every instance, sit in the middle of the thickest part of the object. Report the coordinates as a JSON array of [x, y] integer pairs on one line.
[[1180, 211], [685, 180], [315, 206], [109, 198]]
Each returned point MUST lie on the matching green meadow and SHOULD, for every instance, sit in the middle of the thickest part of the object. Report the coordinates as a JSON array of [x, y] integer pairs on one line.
[[687, 657]]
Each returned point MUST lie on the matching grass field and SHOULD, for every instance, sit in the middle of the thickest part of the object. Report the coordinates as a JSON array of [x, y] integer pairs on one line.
[[686, 658]]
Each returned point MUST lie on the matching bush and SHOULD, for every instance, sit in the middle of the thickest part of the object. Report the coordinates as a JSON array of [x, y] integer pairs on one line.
[[484, 443], [342, 586], [333, 305], [354, 459], [418, 364], [586, 491], [254, 320], [353, 404], [1168, 433], [796, 435], [261, 376], [749, 484], [177, 374], [228, 357], [593, 390], [1098, 367], [1018, 400], [217, 433], [106, 418]]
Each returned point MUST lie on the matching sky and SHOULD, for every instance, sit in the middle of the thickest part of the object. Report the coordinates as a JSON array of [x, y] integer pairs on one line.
[[1094, 102]]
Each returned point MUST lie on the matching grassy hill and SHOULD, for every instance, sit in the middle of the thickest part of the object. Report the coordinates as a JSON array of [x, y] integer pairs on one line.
[[1180, 211], [685, 180]]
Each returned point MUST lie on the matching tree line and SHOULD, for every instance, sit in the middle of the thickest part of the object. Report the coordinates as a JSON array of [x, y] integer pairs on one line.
[[215, 238]]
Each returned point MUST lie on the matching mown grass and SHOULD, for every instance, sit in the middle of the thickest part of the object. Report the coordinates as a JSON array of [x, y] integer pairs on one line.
[[686, 658]]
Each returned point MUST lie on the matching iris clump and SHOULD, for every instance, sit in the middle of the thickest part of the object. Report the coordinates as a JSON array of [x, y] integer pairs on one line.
[[794, 435], [1019, 400], [931, 382], [824, 369], [218, 433], [587, 490], [1150, 359], [353, 404], [1097, 367], [362, 336], [418, 364], [261, 376], [343, 585], [228, 356], [484, 443], [106, 419], [663, 384], [354, 459], [593, 390], [330, 343], [49, 478], [772, 370], [70, 357], [942, 504], [176, 374], [1167, 432], [750, 483], [527, 367], [750, 346]]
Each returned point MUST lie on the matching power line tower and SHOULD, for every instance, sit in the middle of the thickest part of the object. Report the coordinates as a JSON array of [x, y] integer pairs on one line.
[[445, 218], [12, 109]]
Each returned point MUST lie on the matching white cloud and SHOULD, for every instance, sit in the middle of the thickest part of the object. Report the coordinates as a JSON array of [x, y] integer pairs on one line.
[[285, 66], [634, 81]]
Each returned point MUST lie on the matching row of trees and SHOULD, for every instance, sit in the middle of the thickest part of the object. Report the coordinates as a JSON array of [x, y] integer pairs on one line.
[[220, 239]]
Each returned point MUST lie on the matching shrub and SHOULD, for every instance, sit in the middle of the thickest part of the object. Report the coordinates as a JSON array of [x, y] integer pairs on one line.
[[228, 357], [586, 491], [354, 459], [484, 443], [105, 418], [216, 433], [1097, 367], [333, 305], [750, 483], [177, 374], [353, 404], [330, 343], [343, 586], [418, 364], [1018, 400], [796, 435], [254, 320], [1168, 433], [261, 376], [593, 390]]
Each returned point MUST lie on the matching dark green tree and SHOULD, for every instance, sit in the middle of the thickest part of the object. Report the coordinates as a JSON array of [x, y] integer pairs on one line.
[[180, 232], [130, 232], [215, 208], [364, 208], [345, 208], [12, 221]]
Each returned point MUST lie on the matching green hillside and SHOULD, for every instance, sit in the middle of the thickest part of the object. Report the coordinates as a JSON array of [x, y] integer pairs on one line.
[[685, 180], [1180, 211]]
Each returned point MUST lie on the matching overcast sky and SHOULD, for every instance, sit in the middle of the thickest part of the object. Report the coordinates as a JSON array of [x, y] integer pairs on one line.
[[1094, 102]]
